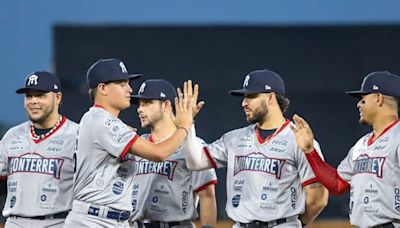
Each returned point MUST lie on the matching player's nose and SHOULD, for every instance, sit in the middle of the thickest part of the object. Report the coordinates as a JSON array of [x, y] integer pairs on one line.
[[244, 102]]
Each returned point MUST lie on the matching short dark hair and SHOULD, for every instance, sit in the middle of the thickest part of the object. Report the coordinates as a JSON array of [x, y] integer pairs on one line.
[[283, 102], [92, 93]]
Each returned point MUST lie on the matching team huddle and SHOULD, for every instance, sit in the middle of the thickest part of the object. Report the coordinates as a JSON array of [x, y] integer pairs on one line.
[[101, 173]]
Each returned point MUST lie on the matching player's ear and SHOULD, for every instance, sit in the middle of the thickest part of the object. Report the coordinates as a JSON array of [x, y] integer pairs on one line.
[[380, 99], [102, 89], [167, 105], [58, 97]]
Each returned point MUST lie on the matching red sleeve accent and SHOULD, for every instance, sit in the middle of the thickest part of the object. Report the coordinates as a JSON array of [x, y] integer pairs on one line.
[[213, 164], [205, 185], [307, 182], [327, 175], [3, 178], [128, 146]]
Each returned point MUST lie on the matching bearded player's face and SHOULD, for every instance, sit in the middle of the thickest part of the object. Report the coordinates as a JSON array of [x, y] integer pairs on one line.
[[41, 105], [150, 112], [255, 107]]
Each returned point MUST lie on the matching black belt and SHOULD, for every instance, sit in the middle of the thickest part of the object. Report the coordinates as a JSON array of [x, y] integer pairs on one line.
[[157, 224], [61, 215], [111, 213], [260, 224], [386, 225]]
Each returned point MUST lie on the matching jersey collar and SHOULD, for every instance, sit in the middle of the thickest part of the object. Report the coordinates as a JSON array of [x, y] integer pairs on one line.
[[47, 136], [261, 140], [371, 140]]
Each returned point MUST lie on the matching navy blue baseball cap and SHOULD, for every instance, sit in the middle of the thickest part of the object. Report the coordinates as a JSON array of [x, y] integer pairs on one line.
[[379, 82], [107, 70], [261, 81], [156, 89], [42, 81]]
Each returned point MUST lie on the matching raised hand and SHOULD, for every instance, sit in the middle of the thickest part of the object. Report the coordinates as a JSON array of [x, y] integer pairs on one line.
[[194, 93], [183, 107], [303, 133]]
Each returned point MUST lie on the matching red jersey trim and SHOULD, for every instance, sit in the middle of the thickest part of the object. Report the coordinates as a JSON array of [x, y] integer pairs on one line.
[[214, 182], [64, 119], [370, 141], [128, 146], [3, 178], [151, 139], [310, 181], [98, 106], [261, 140], [213, 163]]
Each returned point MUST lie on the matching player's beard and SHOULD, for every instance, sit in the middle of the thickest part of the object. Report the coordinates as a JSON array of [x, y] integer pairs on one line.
[[258, 114], [41, 120], [153, 120]]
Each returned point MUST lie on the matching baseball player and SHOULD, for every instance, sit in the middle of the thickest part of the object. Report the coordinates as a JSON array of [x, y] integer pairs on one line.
[[105, 147], [370, 169], [269, 182], [37, 158], [166, 193]]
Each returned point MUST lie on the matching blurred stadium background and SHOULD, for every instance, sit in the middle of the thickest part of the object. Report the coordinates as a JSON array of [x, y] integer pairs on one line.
[[321, 49]]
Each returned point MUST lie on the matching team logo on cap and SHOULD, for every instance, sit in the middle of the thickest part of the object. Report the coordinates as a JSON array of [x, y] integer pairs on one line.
[[162, 94], [141, 89], [246, 81], [267, 87], [123, 68], [32, 80], [375, 87]]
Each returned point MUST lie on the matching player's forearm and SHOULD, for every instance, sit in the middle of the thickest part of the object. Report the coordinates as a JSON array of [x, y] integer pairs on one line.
[[195, 158], [208, 207], [327, 175], [317, 199], [159, 151]]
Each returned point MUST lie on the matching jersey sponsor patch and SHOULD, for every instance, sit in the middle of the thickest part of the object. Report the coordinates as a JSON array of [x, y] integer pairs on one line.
[[258, 162], [35, 163], [12, 186], [367, 164], [236, 200], [13, 201], [166, 168], [118, 187], [397, 199]]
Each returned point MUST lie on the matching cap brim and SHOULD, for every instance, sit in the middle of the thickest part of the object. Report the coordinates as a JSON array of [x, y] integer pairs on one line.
[[357, 93], [25, 90], [134, 76], [242, 92], [137, 97]]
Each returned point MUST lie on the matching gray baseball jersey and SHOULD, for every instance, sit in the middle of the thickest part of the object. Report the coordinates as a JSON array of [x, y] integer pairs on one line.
[[104, 170], [166, 191], [39, 172], [265, 178], [372, 169]]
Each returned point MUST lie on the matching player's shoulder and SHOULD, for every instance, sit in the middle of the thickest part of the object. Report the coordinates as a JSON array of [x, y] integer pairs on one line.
[[18, 130], [70, 127], [247, 130], [71, 124], [396, 129]]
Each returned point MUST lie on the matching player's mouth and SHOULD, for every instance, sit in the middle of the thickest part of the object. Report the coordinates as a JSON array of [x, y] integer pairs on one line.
[[35, 110]]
